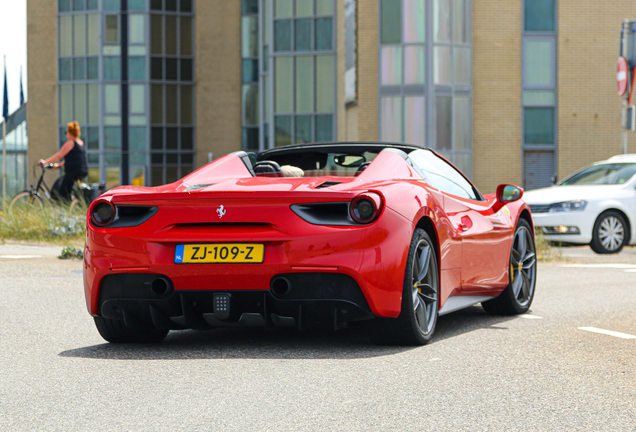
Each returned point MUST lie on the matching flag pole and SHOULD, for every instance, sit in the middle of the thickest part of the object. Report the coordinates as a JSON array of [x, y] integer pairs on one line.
[[4, 148]]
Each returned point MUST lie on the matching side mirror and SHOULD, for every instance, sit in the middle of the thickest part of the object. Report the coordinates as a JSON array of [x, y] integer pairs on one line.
[[508, 193]]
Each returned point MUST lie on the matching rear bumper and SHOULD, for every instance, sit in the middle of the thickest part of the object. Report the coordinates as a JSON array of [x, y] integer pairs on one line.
[[373, 256], [315, 300]]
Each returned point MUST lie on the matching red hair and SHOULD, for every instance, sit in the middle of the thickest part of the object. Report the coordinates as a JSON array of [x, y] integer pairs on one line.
[[73, 128]]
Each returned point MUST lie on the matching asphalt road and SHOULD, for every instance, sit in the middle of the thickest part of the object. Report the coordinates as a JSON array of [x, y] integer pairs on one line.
[[479, 373]]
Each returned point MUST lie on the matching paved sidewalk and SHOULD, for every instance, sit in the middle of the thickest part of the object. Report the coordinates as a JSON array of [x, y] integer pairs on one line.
[[19, 250]]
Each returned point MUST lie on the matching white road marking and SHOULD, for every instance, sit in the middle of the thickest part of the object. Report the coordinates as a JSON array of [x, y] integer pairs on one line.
[[20, 256], [630, 271], [608, 332], [614, 266], [531, 317]]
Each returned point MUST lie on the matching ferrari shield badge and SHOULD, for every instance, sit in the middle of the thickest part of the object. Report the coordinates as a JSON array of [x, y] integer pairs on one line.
[[221, 211]]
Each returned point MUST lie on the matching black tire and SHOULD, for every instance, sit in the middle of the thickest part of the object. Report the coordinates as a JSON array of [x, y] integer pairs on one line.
[[522, 278], [115, 331], [610, 233], [420, 300], [26, 199]]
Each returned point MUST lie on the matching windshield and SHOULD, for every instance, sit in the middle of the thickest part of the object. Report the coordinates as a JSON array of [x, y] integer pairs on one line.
[[318, 164], [605, 174]]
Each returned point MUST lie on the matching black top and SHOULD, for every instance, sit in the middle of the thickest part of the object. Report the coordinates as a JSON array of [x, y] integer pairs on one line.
[[75, 162]]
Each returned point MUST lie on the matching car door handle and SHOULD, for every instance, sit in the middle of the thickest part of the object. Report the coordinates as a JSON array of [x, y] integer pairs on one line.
[[461, 227]]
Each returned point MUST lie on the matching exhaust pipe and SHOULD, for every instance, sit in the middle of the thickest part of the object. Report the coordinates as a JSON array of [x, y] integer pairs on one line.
[[281, 286], [160, 286]]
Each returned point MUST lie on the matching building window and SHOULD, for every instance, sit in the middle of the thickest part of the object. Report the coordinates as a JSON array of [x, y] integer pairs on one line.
[[303, 68], [251, 102], [426, 76], [540, 16], [539, 86], [160, 86]]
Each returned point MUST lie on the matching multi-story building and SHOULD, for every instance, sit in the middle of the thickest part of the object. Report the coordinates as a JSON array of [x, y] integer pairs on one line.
[[509, 91]]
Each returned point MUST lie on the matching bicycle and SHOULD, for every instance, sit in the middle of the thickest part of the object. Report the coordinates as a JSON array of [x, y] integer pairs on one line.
[[82, 193]]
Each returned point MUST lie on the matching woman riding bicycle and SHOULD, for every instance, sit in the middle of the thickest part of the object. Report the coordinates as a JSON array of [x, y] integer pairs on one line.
[[75, 166]]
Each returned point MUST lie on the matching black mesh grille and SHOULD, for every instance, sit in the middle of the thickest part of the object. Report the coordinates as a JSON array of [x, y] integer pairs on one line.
[[540, 208]]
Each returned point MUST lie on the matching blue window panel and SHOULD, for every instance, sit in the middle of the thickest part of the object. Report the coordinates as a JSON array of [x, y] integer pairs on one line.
[[112, 138], [324, 128], [391, 21], [112, 68], [324, 34], [303, 35], [282, 130], [92, 138], [539, 126], [64, 5], [282, 35], [250, 139], [136, 68], [65, 69], [540, 15], [138, 137], [110, 5], [136, 5], [92, 64], [250, 71], [79, 68], [303, 129], [249, 7]]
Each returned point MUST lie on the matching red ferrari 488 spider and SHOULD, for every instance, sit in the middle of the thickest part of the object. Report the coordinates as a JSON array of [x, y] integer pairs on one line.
[[305, 236]]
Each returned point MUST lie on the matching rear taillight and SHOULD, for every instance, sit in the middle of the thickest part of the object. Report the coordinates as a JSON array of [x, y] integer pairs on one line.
[[366, 207], [103, 213]]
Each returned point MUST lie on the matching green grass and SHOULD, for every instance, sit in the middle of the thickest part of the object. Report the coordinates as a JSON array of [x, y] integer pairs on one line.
[[50, 223], [546, 252]]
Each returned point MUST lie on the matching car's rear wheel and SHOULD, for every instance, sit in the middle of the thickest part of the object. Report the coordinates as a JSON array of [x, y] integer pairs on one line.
[[610, 233], [115, 331], [416, 323], [518, 295]]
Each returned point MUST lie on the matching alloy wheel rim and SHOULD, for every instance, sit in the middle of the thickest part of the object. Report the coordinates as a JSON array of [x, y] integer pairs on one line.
[[424, 287], [523, 264], [611, 233]]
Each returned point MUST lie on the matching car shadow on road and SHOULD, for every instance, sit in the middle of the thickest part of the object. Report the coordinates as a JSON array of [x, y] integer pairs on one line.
[[349, 343]]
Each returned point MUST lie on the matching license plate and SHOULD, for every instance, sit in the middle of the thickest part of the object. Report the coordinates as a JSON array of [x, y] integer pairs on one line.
[[219, 253]]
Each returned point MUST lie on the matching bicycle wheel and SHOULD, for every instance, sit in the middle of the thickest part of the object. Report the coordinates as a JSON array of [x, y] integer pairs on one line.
[[26, 199]]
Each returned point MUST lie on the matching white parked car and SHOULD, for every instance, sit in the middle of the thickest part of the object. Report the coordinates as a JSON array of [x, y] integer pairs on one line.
[[595, 206]]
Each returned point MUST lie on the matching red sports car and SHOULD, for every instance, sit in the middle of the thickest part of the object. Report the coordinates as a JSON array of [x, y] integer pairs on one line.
[[305, 236]]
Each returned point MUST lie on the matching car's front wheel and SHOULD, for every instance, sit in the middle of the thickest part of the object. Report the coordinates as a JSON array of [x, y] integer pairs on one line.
[[115, 331], [416, 323], [610, 233], [518, 295]]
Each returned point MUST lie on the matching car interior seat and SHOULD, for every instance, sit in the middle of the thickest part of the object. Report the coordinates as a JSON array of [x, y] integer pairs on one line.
[[268, 169]]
